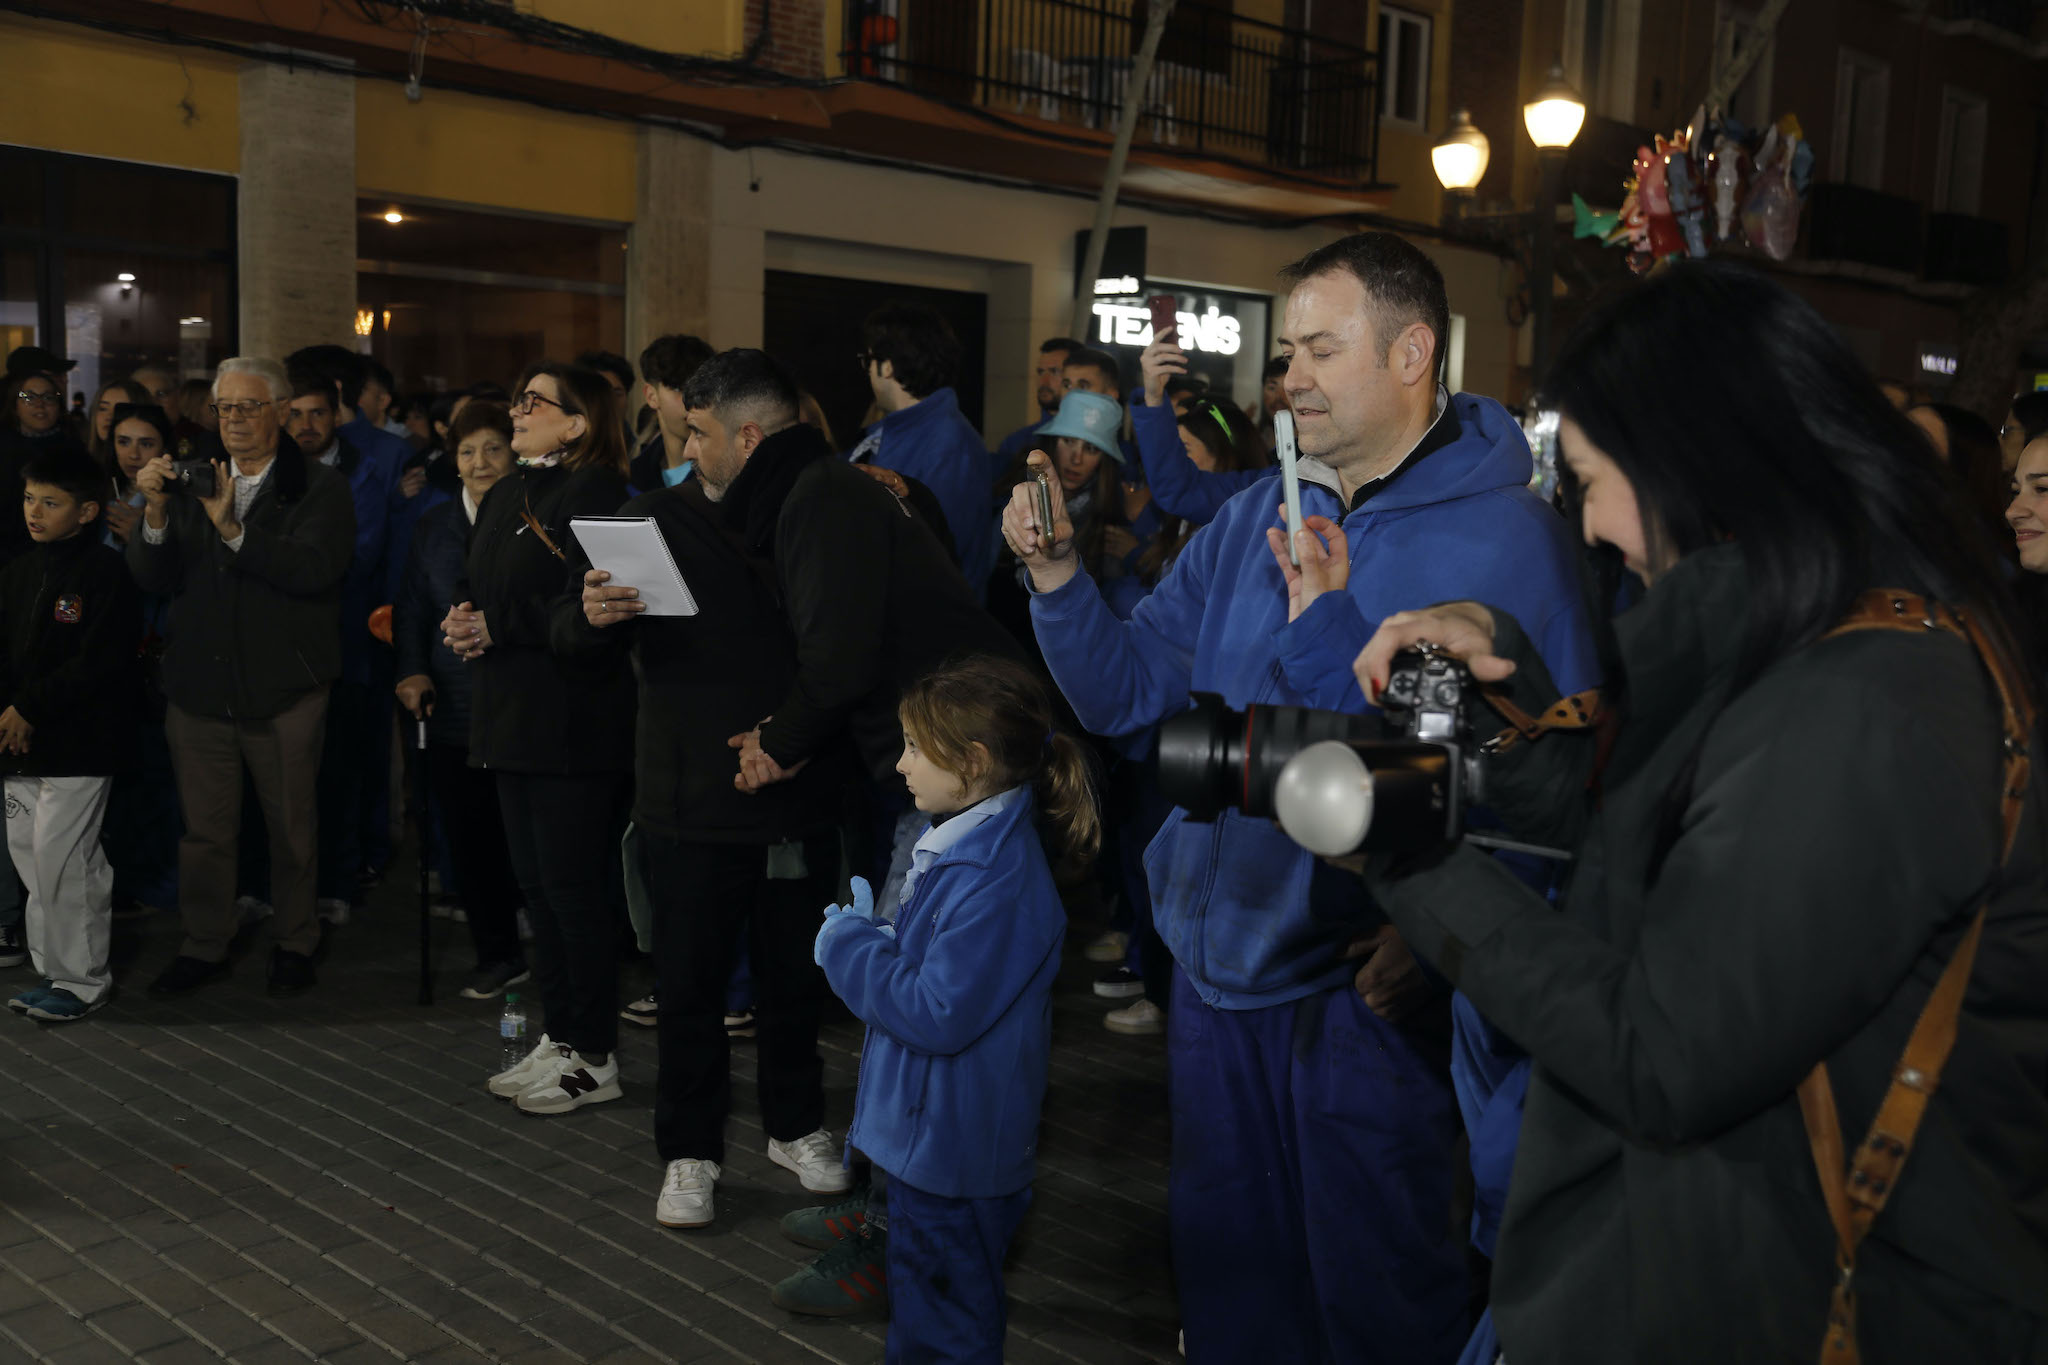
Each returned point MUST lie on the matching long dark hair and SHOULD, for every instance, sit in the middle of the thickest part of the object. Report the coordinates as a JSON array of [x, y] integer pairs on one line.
[[1737, 414]]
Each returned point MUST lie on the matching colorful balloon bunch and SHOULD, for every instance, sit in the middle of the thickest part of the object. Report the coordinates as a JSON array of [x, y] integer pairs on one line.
[[1753, 186]]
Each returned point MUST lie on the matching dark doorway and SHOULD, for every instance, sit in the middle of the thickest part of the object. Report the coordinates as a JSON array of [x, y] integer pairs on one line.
[[811, 323]]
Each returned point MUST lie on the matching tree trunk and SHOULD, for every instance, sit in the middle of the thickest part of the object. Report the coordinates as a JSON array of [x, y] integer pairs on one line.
[[1995, 326]]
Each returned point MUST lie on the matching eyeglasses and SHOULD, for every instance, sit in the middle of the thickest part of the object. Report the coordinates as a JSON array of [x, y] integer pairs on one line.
[[864, 359], [247, 407], [40, 399], [524, 403]]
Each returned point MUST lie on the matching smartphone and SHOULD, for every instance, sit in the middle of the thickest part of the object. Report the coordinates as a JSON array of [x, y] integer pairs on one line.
[[1041, 499], [1290, 478], [1165, 314]]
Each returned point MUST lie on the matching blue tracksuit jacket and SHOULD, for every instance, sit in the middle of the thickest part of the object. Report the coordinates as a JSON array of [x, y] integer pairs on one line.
[[932, 442], [959, 1011], [1178, 487], [1233, 898]]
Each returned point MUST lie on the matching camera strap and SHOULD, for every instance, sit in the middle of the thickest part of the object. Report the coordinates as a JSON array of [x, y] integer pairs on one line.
[[1856, 1188], [1579, 711]]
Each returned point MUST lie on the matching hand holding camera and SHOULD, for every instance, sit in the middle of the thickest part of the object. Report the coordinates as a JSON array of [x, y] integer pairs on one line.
[[1036, 526], [1461, 630]]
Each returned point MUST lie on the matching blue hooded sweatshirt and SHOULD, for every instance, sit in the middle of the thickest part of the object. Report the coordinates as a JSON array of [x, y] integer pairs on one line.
[[932, 442], [1252, 918], [959, 1010], [1178, 487]]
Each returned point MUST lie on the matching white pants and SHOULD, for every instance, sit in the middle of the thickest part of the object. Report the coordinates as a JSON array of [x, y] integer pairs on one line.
[[53, 831]]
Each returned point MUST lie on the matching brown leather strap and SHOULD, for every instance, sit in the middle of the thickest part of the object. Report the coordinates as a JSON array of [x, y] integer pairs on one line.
[[1857, 1189], [1579, 711]]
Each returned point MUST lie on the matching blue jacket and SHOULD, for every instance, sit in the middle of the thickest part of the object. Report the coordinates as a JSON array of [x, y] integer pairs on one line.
[[1178, 487], [1234, 899], [1017, 445], [435, 570], [959, 1011], [931, 441], [369, 487]]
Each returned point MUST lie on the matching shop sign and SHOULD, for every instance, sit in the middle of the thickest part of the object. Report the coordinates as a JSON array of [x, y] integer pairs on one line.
[[1130, 324]]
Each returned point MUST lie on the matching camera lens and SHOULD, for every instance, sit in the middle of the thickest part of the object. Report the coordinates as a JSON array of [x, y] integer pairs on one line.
[[1212, 757]]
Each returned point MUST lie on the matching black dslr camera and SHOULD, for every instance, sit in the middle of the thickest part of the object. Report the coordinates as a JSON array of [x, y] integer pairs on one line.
[[192, 476], [1396, 782]]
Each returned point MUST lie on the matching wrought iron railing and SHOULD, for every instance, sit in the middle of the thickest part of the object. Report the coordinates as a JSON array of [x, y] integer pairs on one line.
[[1222, 83]]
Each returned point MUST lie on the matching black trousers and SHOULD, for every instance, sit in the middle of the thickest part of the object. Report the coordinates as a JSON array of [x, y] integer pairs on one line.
[[563, 837], [705, 896], [466, 805]]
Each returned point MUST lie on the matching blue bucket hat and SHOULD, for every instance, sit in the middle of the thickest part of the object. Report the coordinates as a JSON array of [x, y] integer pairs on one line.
[[1090, 417]]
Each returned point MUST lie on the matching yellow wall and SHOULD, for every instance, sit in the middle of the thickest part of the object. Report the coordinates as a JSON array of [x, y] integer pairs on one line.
[[708, 28], [69, 90], [466, 149]]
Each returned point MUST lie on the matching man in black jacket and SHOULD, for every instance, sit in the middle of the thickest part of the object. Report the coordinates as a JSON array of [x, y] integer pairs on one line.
[[725, 867], [253, 569]]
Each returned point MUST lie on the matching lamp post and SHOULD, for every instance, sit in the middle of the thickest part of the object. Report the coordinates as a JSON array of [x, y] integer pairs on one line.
[[1553, 119]]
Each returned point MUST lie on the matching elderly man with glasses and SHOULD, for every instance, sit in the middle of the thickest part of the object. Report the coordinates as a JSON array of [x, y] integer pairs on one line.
[[251, 550]]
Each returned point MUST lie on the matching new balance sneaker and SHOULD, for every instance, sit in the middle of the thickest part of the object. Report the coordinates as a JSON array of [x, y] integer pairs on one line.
[[491, 980], [824, 1227], [1109, 947], [20, 1003], [740, 1025], [815, 1158], [573, 1082], [1138, 1017], [1119, 983], [687, 1191], [845, 1282], [13, 945], [507, 1084], [59, 1006], [644, 1012]]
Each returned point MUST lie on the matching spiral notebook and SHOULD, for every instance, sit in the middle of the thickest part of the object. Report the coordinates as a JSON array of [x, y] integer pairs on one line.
[[633, 552]]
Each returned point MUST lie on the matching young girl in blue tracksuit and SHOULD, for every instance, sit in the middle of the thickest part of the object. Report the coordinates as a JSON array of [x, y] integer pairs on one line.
[[957, 997]]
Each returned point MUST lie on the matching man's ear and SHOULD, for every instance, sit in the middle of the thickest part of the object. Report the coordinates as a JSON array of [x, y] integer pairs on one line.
[[1415, 353]]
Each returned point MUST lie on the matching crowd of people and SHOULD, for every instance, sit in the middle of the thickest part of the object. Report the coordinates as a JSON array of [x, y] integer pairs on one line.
[[1441, 1104]]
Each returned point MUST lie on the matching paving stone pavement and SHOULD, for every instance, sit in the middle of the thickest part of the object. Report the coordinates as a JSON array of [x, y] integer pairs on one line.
[[230, 1176]]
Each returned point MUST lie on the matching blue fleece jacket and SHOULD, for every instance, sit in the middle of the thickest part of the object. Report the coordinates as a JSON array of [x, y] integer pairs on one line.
[[364, 587], [959, 1011], [1233, 899], [932, 442], [1178, 487]]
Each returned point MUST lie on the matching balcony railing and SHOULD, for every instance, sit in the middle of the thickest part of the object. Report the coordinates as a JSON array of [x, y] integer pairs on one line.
[[1223, 84]]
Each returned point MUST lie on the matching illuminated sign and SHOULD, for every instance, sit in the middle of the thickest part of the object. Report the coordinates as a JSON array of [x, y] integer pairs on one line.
[[1939, 360], [1122, 284], [1128, 324]]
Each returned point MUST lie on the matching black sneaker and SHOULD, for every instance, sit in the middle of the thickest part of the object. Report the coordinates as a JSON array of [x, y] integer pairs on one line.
[[644, 1011], [1119, 983], [186, 974], [490, 980], [290, 973], [13, 945]]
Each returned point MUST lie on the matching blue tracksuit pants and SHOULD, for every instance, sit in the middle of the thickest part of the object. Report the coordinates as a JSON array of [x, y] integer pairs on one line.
[[1310, 1196], [945, 1267]]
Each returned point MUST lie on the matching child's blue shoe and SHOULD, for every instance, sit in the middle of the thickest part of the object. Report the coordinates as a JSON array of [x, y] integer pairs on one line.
[[59, 1006], [21, 1004]]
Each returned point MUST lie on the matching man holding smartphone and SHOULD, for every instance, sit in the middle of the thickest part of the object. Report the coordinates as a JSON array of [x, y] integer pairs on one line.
[[1313, 1114]]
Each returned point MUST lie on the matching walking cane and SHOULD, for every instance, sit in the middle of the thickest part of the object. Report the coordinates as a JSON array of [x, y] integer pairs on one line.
[[426, 828]]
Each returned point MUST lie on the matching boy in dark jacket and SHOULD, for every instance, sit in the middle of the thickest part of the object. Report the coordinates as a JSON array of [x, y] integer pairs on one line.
[[70, 617]]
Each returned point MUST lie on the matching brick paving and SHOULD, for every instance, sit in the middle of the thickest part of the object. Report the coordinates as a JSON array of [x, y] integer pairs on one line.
[[229, 1176]]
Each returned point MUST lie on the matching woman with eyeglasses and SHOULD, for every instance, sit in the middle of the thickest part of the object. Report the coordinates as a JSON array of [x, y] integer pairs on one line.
[[558, 733], [35, 419]]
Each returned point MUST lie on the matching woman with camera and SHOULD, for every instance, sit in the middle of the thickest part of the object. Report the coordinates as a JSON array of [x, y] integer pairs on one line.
[[1785, 831]]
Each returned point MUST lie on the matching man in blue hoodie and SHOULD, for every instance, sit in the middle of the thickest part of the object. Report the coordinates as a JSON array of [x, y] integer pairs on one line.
[[1313, 1114], [911, 356]]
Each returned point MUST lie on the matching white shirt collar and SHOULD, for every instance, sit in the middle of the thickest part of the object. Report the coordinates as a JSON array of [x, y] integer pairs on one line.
[[257, 477], [469, 504], [938, 839]]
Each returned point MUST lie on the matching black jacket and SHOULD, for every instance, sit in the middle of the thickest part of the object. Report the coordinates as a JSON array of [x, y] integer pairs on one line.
[[253, 630], [1838, 829], [871, 594], [706, 678], [532, 712], [72, 625], [433, 583]]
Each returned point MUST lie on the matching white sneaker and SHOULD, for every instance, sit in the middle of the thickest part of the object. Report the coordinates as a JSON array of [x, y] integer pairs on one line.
[[686, 1194], [571, 1083], [1110, 947], [1140, 1016], [507, 1084], [816, 1160], [253, 911], [332, 909]]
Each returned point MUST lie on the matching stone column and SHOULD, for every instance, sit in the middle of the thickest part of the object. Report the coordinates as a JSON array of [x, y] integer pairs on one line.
[[668, 247], [297, 215]]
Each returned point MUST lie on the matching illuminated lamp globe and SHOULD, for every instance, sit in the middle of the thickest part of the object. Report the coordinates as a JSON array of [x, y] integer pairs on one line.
[[1461, 154], [1556, 114]]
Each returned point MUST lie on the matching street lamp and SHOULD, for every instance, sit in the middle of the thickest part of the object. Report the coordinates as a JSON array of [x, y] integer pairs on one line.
[[1553, 118], [1461, 154], [1557, 113]]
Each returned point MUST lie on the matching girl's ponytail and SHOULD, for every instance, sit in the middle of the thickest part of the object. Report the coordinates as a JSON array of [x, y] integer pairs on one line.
[[1065, 787]]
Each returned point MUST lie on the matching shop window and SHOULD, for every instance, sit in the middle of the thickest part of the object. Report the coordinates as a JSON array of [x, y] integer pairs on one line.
[[1862, 103], [1959, 167], [448, 297], [1404, 66]]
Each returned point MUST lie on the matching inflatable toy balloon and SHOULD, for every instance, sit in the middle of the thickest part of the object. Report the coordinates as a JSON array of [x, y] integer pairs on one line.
[[1730, 170], [1683, 189]]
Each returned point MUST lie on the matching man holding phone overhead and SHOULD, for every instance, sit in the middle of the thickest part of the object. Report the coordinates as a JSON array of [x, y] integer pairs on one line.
[[1313, 1118]]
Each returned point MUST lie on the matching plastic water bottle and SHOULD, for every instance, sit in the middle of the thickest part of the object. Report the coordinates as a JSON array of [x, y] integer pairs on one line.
[[512, 1044]]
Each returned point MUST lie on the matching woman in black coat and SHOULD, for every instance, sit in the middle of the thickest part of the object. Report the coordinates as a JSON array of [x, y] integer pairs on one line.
[[558, 733], [1794, 831]]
